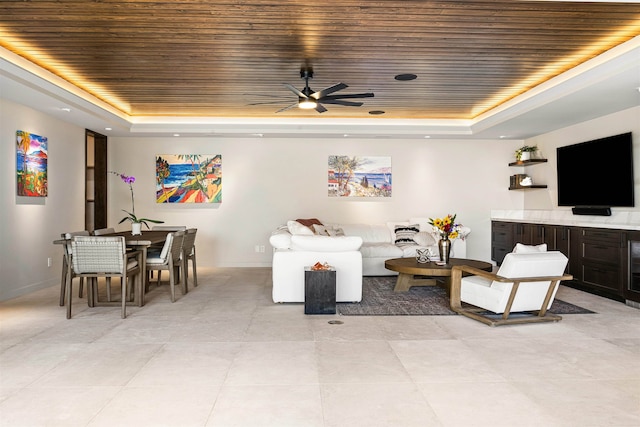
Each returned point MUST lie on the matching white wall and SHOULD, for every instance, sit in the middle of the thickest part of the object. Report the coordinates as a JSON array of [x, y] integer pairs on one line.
[[29, 225], [613, 124], [268, 181]]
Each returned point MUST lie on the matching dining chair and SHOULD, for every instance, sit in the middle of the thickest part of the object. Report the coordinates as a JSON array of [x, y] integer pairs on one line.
[[102, 232], [104, 256], [189, 253], [169, 258], [66, 261]]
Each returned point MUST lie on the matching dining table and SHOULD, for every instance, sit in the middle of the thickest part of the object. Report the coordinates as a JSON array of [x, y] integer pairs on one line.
[[135, 242]]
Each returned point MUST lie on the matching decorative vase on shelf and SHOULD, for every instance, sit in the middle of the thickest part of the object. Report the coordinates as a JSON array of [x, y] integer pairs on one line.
[[136, 228], [444, 248]]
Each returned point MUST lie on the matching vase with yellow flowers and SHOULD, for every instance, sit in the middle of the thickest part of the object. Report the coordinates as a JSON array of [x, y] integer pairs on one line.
[[448, 230]]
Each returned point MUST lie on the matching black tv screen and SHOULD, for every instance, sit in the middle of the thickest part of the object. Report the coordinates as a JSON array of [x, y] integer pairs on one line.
[[596, 173]]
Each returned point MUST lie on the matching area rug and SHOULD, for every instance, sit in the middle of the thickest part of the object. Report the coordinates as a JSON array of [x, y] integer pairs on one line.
[[378, 299]]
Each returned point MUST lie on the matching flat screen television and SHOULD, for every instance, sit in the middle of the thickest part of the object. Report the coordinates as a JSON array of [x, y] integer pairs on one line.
[[595, 175]]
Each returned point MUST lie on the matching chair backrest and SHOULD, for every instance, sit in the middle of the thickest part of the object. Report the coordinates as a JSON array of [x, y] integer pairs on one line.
[[530, 294], [533, 264], [189, 241], [176, 245], [169, 227], [70, 235], [103, 231], [98, 254]]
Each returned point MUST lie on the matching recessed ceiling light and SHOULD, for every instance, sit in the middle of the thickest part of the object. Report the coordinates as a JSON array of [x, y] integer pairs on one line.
[[176, 134], [376, 112], [427, 136], [405, 77], [66, 109]]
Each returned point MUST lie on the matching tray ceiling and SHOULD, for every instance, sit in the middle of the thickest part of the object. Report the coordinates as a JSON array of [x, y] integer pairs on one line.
[[231, 58]]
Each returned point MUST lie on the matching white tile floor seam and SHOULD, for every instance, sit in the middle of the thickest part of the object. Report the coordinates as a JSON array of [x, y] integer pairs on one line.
[[226, 355]]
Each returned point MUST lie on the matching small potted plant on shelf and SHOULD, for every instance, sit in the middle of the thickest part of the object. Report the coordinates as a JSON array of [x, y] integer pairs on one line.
[[526, 152]]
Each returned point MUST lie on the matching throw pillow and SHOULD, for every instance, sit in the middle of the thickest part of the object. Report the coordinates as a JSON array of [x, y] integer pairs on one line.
[[424, 238], [405, 234], [528, 249], [320, 230], [336, 231], [309, 222], [296, 228]]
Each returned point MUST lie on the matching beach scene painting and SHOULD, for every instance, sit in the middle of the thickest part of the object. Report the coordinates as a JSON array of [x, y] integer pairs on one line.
[[353, 176], [189, 178], [31, 164]]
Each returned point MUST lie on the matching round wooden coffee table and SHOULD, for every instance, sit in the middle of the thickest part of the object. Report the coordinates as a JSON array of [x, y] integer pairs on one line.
[[409, 267]]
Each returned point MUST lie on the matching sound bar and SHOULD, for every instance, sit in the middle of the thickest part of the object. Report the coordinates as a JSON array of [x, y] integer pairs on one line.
[[591, 210]]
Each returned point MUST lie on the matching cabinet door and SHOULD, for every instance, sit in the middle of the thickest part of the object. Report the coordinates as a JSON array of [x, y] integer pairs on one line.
[[521, 233], [501, 240], [632, 267]]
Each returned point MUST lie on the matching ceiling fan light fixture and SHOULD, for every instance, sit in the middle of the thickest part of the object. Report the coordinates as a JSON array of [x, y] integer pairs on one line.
[[307, 104]]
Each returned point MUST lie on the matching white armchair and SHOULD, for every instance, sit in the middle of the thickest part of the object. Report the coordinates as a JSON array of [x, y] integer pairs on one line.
[[525, 283]]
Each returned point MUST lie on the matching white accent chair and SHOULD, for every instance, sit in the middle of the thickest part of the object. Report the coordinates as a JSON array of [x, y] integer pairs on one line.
[[526, 284]]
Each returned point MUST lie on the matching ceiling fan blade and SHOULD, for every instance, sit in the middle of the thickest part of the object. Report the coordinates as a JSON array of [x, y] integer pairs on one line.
[[326, 91], [320, 109], [295, 104], [347, 96], [268, 102], [341, 102], [294, 90]]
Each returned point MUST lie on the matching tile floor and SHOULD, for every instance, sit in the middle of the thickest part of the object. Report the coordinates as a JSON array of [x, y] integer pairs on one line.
[[225, 355]]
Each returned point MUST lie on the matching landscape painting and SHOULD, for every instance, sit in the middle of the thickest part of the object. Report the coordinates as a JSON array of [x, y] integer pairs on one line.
[[189, 178], [31, 164], [359, 176]]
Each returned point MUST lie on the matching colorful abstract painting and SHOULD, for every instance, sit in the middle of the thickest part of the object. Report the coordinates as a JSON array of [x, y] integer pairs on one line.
[[359, 176], [189, 178], [31, 164]]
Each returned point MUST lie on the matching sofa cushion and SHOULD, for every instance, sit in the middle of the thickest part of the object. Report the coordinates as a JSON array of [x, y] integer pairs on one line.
[[404, 234], [323, 230], [325, 243], [371, 233], [296, 228], [380, 250], [280, 239]]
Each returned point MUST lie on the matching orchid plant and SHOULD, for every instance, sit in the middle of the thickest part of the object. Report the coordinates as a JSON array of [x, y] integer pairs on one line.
[[131, 216], [446, 226]]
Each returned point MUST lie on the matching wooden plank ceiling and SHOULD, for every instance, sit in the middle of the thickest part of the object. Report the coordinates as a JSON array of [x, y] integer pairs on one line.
[[230, 58]]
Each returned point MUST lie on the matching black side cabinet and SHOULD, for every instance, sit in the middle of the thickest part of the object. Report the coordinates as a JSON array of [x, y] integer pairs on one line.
[[319, 291]]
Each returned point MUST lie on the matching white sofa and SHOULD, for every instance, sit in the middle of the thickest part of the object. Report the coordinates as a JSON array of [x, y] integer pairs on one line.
[[355, 250]]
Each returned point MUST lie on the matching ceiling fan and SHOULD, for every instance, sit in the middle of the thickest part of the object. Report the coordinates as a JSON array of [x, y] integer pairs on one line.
[[311, 100]]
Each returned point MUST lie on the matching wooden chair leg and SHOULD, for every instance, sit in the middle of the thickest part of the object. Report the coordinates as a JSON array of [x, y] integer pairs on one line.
[[63, 281], [172, 283], [195, 272], [69, 294], [108, 280], [123, 293]]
